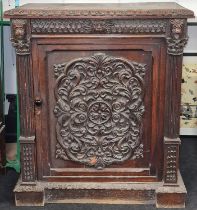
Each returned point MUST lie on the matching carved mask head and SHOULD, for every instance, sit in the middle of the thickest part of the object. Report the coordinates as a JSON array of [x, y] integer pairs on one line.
[[19, 29]]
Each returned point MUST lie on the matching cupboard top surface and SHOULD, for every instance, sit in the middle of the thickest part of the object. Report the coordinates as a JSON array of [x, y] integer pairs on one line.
[[132, 10]]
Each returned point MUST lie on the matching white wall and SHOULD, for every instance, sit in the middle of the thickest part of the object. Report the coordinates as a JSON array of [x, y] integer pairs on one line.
[[9, 67], [9, 63]]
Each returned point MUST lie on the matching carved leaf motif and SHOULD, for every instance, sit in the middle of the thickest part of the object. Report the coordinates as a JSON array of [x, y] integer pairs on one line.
[[99, 109], [88, 26], [176, 45]]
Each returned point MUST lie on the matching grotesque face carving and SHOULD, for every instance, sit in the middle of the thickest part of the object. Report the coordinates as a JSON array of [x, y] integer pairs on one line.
[[19, 29]]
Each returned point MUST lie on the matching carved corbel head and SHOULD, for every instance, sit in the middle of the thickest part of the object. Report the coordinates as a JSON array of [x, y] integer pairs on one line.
[[177, 41], [19, 39]]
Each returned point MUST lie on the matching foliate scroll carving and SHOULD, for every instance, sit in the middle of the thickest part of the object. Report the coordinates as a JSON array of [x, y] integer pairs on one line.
[[60, 152], [138, 153], [20, 39], [99, 110], [86, 26], [176, 42]]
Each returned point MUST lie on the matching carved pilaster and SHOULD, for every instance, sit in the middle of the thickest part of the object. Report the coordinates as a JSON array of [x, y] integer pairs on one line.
[[21, 41], [175, 46], [176, 43], [171, 152]]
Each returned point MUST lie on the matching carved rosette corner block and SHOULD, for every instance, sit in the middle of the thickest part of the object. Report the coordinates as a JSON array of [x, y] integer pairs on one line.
[[99, 110], [177, 41], [171, 152], [20, 38]]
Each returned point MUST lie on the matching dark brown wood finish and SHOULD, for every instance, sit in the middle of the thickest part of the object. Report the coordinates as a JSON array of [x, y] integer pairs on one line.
[[99, 89]]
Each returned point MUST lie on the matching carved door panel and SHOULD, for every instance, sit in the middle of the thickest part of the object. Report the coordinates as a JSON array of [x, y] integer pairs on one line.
[[97, 116]]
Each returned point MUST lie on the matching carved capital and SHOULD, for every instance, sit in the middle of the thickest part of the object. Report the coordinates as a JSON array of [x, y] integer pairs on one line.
[[176, 45], [20, 39], [177, 41]]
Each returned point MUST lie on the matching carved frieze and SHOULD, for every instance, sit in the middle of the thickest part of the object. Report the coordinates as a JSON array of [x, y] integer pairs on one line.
[[20, 38], [99, 110], [88, 26]]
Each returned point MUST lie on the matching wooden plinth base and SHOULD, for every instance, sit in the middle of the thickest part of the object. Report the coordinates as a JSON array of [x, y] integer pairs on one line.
[[101, 193]]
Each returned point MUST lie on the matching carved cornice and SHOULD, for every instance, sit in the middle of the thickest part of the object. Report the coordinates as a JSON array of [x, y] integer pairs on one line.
[[177, 41], [20, 39], [89, 26], [78, 11]]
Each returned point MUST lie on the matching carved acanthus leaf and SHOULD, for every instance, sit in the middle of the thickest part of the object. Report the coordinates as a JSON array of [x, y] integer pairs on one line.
[[138, 153], [176, 45], [60, 152]]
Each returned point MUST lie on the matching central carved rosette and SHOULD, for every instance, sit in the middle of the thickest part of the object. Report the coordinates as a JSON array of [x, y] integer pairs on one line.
[[99, 109], [99, 112]]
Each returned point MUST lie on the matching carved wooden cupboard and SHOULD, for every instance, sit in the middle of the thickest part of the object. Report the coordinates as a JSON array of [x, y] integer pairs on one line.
[[99, 89]]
